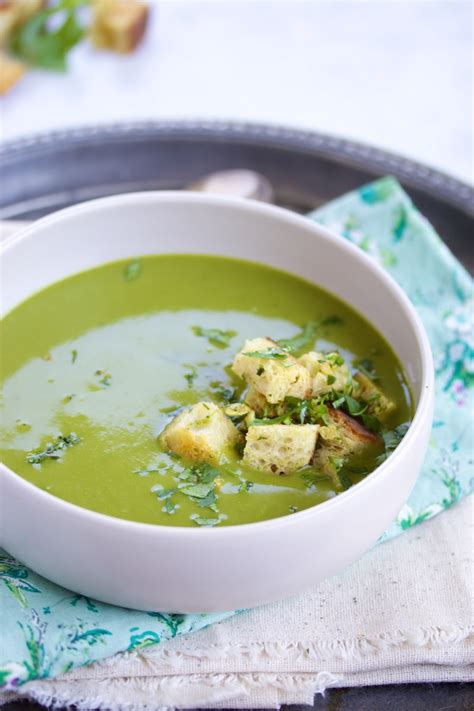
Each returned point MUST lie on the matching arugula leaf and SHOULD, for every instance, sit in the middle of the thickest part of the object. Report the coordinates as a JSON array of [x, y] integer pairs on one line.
[[132, 270], [270, 353], [215, 336], [53, 450], [41, 45]]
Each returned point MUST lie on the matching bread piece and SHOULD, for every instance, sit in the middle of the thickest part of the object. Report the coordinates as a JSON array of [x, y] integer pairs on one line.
[[274, 378], [202, 434], [11, 71], [280, 449], [328, 374], [342, 438], [15, 13], [118, 25], [379, 405]]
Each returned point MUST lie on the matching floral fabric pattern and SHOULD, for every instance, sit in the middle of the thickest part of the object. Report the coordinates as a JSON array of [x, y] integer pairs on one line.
[[46, 630]]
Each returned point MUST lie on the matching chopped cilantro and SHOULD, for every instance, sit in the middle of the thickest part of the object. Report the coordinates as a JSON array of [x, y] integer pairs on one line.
[[73, 355], [305, 339], [245, 486], [366, 367], [132, 270], [344, 479], [391, 440], [331, 379], [312, 478], [350, 405], [292, 509], [53, 450], [169, 507], [371, 422], [215, 336], [144, 472], [270, 353], [191, 376]]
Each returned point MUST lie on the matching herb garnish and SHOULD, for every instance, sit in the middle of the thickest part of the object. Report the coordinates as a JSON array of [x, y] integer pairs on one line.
[[306, 338], [202, 521], [73, 355], [297, 412], [366, 367], [391, 440], [132, 270], [191, 376], [53, 450], [105, 378], [350, 405], [144, 472], [215, 336], [198, 483], [41, 45], [270, 353]]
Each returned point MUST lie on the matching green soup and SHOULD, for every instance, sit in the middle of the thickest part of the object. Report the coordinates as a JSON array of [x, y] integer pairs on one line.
[[106, 357]]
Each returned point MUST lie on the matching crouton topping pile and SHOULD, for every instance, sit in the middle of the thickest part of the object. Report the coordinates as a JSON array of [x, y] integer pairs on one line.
[[295, 411]]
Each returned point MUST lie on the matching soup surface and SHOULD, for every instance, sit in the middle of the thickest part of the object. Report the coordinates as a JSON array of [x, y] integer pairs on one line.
[[94, 368]]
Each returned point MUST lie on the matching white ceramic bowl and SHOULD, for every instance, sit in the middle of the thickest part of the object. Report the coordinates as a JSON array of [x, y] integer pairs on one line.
[[200, 570]]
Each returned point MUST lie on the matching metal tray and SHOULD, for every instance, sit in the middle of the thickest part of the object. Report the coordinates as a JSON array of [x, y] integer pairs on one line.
[[47, 172], [43, 173]]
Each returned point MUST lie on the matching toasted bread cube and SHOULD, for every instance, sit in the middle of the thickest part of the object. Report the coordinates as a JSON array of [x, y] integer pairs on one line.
[[274, 378], [341, 439], [27, 8], [118, 25], [11, 71], [202, 434], [280, 449], [8, 20], [327, 373], [379, 404]]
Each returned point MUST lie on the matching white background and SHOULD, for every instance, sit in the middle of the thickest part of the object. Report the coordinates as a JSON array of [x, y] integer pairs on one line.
[[397, 74]]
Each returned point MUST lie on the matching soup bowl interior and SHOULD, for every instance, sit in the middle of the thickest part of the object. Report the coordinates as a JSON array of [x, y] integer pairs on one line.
[[198, 570]]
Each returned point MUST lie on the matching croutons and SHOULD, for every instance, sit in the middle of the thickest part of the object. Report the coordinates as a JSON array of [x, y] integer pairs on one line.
[[202, 434], [378, 404], [15, 13], [342, 438], [11, 71], [328, 373], [275, 374], [280, 449], [118, 25]]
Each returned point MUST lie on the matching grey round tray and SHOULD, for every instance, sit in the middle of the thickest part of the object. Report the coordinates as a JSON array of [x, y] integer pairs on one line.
[[43, 173]]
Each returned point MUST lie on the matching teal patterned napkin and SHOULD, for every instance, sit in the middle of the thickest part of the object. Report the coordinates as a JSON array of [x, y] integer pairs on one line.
[[46, 630]]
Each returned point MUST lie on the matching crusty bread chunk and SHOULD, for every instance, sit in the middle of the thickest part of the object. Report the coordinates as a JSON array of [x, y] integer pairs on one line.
[[274, 378], [280, 449], [328, 372], [342, 438], [11, 71], [202, 434], [14, 13], [378, 404], [118, 25]]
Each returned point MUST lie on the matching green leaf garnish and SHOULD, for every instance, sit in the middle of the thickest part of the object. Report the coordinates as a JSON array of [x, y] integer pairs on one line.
[[352, 406], [366, 367], [53, 450], [306, 338], [73, 356], [270, 353], [132, 270], [391, 440], [313, 478], [39, 44], [144, 472], [169, 506], [105, 378], [215, 336], [191, 376], [202, 521]]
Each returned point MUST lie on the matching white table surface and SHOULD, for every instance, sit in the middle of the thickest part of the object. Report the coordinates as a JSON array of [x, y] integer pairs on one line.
[[395, 74]]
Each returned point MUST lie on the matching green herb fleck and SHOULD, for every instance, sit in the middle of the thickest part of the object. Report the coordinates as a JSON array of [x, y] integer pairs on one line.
[[144, 472], [53, 450], [305, 339], [292, 509], [169, 506], [270, 353], [42, 45], [191, 376], [391, 440], [73, 356], [350, 405], [132, 270], [206, 522], [331, 379], [366, 367], [105, 378], [215, 336], [245, 485]]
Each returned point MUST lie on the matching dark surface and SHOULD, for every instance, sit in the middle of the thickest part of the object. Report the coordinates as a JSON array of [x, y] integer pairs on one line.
[[407, 697], [45, 173]]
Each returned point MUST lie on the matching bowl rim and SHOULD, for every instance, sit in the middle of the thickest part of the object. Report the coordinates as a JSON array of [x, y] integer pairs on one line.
[[422, 410]]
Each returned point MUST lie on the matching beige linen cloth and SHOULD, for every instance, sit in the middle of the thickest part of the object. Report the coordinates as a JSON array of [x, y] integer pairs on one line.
[[403, 613]]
